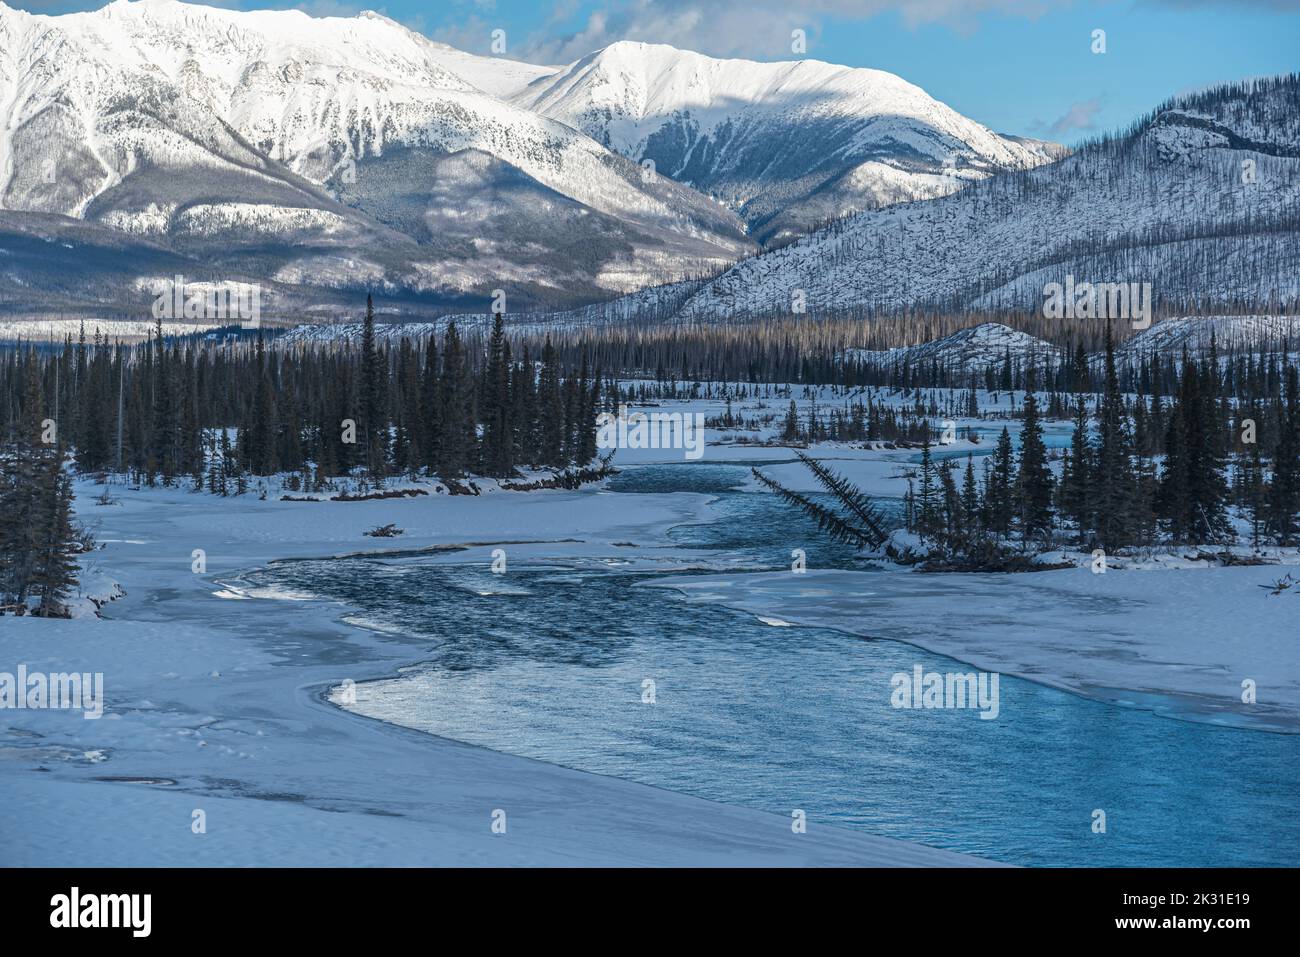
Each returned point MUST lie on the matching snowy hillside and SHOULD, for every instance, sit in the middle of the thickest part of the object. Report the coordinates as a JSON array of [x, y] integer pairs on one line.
[[1228, 333], [788, 145], [213, 128], [974, 349], [499, 76], [1204, 207], [57, 330], [650, 306]]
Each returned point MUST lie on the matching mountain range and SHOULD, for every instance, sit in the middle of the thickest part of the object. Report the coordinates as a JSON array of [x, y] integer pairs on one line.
[[1199, 202], [325, 156], [790, 145]]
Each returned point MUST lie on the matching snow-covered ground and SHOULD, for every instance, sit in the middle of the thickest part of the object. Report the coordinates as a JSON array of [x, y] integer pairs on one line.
[[217, 702], [214, 705]]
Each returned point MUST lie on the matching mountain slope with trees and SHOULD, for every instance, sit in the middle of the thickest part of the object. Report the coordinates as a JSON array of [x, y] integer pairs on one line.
[[1201, 199]]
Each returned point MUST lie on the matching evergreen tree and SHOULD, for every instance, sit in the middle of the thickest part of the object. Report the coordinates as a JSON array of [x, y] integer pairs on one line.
[[431, 418], [1076, 475], [498, 443], [929, 516], [1111, 490], [260, 451], [54, 568], [1193, 490], [35, 505], [999, 492], [1283, 502], [457, 409], [373, 424], [790, 431], [550, 404], [1034, 479], [970, 500], [587, 450]]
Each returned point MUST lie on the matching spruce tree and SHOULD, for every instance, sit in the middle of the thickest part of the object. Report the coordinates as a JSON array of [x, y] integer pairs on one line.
[[1283, 500], [550, 403], [431, 419], [1112, 488], [498, 445], [457, 410], [587, 450], [1034, 478], [54, 571], [929, 522], [1193, 491], [1076, 476], [999, 492], [970, 500], [790, 431], [374, 424]]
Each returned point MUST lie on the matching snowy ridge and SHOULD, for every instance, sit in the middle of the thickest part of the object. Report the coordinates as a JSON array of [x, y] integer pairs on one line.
[[789, 144], [653, 305], [974, 349], [340, 332], [56, 330], [498, 76], [1228, 333], [1166, 204]]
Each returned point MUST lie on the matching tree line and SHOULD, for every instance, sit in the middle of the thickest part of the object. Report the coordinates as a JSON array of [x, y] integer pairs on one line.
[[215, 416], [1112, 493], [1140, 470], [219, 414]]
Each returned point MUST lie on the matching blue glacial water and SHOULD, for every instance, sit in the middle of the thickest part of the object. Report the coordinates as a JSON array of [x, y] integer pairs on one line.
[[550, 662]]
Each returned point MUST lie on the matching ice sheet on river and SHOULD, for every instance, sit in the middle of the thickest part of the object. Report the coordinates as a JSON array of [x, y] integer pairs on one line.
[[1181, 642]]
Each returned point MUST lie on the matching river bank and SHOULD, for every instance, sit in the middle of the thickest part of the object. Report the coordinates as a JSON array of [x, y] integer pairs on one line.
[[215, 706]]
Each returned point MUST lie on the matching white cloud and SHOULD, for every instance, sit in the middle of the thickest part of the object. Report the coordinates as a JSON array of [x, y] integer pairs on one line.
[[1080, 117]]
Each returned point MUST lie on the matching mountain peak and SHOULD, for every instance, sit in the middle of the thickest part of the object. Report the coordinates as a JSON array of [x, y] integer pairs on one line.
[[204, 132], [788, 145], [374, 15]]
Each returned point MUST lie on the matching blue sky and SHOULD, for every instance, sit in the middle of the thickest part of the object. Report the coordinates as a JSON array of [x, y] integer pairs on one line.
[[1019, 66]]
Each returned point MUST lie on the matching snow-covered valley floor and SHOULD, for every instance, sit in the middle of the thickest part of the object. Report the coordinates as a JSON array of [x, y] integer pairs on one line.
[[217, 697], [215, 704]]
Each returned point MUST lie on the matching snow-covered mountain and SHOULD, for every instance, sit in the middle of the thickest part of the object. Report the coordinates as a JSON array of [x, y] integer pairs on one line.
[[788, 145], [1201, 200], [325, 156], [502, 77], [329, 152]]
